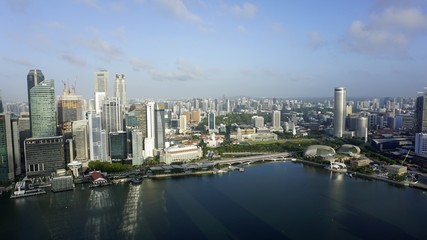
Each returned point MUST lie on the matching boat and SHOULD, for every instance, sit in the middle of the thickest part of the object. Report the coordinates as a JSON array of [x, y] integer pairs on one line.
[[136, 179], [241, 169], [337, 167]]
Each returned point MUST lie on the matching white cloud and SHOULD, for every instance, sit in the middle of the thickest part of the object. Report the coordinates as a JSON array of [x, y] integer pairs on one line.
[[315, 41], [22, 62], [245, 10], [179, 10], [387, 32], [138, 64], [19, 6], [241, 29], [90, 3], [185, 71], [73, 60], [277, 27]]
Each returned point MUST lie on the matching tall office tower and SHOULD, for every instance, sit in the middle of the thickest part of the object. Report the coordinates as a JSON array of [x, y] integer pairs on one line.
[[112, 118], [188, 116], [149, 141], [80, 137], [10, 155], [137, 147], [97, 138], [211, 121], [101, 81], [276, 120], [24, 133], [1, 103], [44, 156], [141, 118], [227, 106], [195, 116], [43, 111], [361, 127], [118, 146], [421, 143], [420, 124], [159, 124], [34, 77], [339, 111], [120, 89], [182, 123], [99, 100], [70, 108]]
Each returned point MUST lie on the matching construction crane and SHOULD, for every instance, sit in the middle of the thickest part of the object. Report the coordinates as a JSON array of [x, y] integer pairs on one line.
[[405, 157]]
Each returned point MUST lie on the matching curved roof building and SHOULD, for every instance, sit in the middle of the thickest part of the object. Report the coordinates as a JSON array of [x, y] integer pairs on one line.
[[319, 151], [349, 149]]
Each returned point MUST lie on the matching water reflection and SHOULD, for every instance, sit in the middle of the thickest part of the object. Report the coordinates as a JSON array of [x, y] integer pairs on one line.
[[129, 222]]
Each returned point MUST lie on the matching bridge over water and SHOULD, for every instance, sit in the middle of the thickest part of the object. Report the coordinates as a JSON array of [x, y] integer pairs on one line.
[[252, 159]]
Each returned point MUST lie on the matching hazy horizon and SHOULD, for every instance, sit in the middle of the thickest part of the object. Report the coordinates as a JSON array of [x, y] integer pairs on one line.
[[178, 49]]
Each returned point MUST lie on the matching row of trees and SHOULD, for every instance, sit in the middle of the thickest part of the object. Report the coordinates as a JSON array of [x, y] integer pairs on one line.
[[109, 167]]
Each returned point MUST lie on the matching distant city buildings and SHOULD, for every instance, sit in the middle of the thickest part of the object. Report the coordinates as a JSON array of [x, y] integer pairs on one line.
[[120, 89]]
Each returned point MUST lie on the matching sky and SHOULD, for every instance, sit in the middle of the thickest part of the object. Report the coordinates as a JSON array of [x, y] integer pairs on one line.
[[211, 48]]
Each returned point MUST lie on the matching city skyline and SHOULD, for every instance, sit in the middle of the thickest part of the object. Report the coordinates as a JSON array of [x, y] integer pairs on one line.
[[181, 49]]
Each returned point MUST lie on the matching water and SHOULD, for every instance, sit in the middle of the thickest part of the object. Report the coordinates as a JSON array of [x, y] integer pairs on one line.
[[268, 201]]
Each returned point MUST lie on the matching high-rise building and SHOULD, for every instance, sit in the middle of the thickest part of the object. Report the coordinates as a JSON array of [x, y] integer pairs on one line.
[[34, 77], [276, 120], [211, 121], [141, 118], [44, 156], [70, 108], [81, 142], [258, 121], [421, 143], [420, 124], [43, 110], [120, 89], [10, 155], [101, 81], [159, 133], [182, 123], [137, 147], [361, 127], [97, 138], [149, 141], [112, 118], [99, 100], [118, 146], [195, 116], [339, 111], [1, 103]]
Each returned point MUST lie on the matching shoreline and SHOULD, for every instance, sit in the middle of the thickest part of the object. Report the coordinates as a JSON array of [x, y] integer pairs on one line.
[[362, 175]]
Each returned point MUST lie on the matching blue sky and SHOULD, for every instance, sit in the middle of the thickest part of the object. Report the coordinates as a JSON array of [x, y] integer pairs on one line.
[[210, 48]]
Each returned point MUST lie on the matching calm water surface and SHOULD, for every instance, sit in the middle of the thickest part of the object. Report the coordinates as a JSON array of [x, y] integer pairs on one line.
[[268, 201]]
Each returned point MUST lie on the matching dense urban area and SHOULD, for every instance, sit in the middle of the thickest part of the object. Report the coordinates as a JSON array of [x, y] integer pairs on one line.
[[60, 141]]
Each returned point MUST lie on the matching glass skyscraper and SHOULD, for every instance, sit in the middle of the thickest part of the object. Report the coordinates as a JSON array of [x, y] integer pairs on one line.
[[43, 111], [34, 77]]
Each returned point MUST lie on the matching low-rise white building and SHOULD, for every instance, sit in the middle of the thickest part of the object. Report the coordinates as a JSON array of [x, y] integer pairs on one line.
[[180, 153]]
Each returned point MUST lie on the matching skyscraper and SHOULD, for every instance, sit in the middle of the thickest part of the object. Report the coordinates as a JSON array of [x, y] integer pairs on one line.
[[149, 141], [70, 108], [34, 77], [339, 112], [211, 121], [120, 89], [1, 103], [276, 121], [420, 125], [159, 133], [97, 138], [43, 111], [112, 119], [101, 81], [10, 156]]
